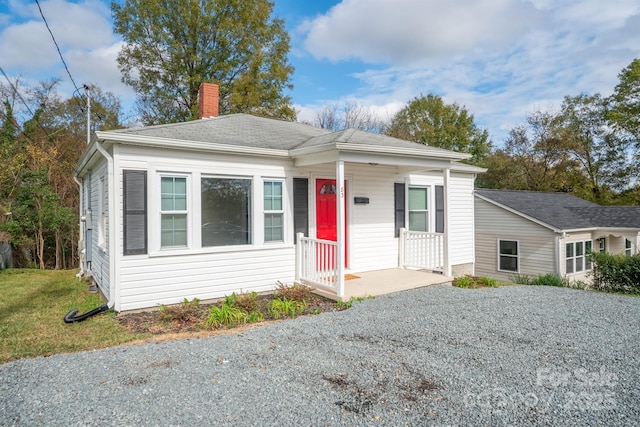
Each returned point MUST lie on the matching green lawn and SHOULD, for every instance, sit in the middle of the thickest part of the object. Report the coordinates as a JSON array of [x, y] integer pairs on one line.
[[33, 304]]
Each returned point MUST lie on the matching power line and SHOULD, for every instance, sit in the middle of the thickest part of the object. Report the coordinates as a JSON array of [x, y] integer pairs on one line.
[[58, 48]]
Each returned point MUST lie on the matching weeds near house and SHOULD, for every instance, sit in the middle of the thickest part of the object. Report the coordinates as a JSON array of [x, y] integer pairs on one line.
[[521, 279], [296, 292], [281, 307], [475, 282], [464, 282], [550, 280], [186, 311], [248, 302], [225, 315], [348, 304], [488, 282]]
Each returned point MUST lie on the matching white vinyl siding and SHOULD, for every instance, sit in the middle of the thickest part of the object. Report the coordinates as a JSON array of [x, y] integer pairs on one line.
[[99, 268]]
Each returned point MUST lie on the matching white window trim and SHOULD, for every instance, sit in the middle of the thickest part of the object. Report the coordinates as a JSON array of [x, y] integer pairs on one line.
[[430, 202], [576, 256], [281, 212], [160, 212], [517, 256]]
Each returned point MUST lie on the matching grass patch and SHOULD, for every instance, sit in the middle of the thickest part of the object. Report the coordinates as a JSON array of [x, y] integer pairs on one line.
[[33, 304]]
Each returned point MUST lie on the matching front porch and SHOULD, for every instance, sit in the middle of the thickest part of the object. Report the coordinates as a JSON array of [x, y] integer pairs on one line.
[[381, 282], [422, 262]]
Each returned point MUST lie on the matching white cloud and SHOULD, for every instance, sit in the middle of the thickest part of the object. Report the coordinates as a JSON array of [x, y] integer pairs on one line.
[[501, 59], [414, 31]]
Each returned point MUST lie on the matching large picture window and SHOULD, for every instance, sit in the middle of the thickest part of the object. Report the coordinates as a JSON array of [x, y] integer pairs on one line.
[[273, 212], [173, 211], [418, 209], [508, 255], [226, 211]]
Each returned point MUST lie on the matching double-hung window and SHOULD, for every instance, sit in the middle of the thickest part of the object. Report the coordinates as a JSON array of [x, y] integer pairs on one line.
[[226, 211], [418, 209], [508, 255], [575, 256], [627, 247], [173, 211], [273, 212]]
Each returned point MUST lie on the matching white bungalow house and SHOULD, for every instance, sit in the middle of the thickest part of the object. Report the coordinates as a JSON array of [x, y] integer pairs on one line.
[[534, 233], [237, 203]]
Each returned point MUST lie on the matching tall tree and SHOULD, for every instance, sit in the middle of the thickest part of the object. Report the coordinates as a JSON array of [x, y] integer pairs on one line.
[[428, 120], [172, 46], [600, 150], [625, 102]]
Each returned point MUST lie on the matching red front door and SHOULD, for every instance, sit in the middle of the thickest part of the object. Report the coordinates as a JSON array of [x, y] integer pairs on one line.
[[326, 217]]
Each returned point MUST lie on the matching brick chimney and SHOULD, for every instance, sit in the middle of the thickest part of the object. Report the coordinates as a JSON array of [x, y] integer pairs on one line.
[[208, 100]]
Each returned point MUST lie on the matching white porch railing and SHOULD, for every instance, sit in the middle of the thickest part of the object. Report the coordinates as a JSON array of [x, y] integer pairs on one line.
[[422, 250], [316, 263]]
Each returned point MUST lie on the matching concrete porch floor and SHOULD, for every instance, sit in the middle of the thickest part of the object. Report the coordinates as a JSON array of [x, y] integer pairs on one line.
[[380, 282]]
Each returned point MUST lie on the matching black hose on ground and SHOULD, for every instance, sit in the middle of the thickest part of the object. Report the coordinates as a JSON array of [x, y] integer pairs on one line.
[[72, 318]]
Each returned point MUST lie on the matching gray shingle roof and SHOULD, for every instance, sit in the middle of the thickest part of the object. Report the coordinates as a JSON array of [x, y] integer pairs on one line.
[[563, 211], [245, 130], [242, 130]]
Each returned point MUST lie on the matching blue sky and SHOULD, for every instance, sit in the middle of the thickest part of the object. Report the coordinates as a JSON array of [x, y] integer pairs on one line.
[[501, 59]]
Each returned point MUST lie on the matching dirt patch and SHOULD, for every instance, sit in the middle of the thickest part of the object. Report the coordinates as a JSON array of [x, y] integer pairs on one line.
[[153, 322]]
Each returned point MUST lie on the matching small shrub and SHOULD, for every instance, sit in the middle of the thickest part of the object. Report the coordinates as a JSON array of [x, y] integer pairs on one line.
[[255, 316], [549, 280], [521, 279], [488, 281], [225, 315], [280, 307], [296, 292], [186, 311], [464, 282], [247, 302]]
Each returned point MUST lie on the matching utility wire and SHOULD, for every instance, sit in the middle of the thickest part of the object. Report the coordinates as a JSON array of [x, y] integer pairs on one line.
[[16, 93], [57, 47]]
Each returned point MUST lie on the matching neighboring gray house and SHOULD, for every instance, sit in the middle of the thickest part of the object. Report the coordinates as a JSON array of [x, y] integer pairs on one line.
[[533, 233]]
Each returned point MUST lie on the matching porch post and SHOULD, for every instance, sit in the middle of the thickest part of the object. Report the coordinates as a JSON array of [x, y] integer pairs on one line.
[[447, 265], [340, 216], [637, 251]]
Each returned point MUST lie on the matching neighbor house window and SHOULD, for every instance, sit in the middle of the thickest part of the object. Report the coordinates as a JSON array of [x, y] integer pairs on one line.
[[627, 247], [575, 258], [226, 211], [508, 255], [418, 212], [173, 211], [273, 212]]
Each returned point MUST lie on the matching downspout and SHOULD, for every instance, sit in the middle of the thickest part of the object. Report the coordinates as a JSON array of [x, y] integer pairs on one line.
[[80, 227], [112, 222]]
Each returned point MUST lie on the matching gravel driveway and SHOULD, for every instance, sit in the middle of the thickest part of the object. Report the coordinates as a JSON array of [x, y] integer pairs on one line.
[[439, 355]]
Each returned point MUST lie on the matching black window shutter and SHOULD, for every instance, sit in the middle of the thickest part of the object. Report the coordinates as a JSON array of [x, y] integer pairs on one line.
[[301, 206], [439, 209], [398, 194], [135, 212]]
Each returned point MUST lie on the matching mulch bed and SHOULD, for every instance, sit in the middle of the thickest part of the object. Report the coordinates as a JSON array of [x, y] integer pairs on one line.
[[153, 321]]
